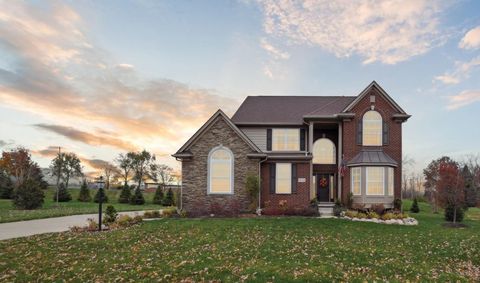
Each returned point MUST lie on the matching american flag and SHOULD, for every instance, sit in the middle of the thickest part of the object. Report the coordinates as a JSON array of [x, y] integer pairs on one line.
[[343, 166]]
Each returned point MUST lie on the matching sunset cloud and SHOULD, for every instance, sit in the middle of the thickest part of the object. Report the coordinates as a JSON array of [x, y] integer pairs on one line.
[[378, 31], [471, 40], [461, 72], [60, 74], [462, 99]]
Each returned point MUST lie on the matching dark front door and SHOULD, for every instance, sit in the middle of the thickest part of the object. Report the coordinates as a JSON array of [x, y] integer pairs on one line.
[[323, 187]]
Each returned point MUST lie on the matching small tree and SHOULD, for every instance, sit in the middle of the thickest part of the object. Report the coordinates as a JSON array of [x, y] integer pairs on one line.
[[100, 195], [415, 208], [63, 194], [137, 197], [110, 214], [450, 187], [253, 188], [158, 197], [470, 190], [125, 194], [168, 200], [6, 186], [84, 195], [28, 195]]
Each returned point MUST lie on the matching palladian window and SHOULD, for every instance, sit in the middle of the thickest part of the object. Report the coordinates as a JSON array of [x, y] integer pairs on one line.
[[372, 128], [324, 151], [220, 171]]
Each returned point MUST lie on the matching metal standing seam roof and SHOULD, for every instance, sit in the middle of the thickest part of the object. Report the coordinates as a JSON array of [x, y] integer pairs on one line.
[[288, 110], [372, 157]]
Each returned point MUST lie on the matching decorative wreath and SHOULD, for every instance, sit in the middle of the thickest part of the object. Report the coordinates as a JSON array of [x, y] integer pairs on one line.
[[323, 182]]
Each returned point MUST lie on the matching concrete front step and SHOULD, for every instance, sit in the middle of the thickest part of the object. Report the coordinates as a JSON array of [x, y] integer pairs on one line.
[[325, 208]]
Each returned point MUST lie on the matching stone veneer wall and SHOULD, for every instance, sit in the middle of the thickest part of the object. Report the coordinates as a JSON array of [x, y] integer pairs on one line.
[[195, 198]]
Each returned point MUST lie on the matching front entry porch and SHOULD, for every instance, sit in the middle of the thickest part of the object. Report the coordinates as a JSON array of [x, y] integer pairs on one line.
[[324, 186]]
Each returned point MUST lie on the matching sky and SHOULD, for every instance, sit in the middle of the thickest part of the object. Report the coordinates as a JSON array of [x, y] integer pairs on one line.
[[100, 78]]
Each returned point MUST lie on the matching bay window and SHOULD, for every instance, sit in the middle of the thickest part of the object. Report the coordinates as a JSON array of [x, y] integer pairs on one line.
[[375, 181], [356, 185]]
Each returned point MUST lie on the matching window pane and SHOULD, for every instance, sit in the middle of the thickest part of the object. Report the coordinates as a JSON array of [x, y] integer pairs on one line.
[[283, 178], [390, 181], [285, 139], [375, 181], [324, 152], [372, 128], [220, 171], [356, 180]]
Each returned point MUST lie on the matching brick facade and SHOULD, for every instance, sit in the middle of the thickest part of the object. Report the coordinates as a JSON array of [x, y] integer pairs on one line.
[[298, 199], [195, 198], [393, 148]]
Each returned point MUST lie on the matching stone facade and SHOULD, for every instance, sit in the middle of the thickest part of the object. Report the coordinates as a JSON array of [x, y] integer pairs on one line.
[[195, 197]]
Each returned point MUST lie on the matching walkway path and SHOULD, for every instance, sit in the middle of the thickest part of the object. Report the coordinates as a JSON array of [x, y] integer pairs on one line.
[[48, 225]]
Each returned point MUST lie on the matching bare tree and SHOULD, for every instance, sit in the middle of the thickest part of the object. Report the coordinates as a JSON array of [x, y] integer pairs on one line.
[[125, 163], [110, 171], [164, 174]]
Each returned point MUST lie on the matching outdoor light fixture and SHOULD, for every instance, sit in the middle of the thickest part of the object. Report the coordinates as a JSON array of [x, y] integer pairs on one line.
[[101, 193]]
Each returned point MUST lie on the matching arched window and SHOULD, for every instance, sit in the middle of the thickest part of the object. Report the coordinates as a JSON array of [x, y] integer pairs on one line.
[[220, 171], [324, 151], [372, 128]]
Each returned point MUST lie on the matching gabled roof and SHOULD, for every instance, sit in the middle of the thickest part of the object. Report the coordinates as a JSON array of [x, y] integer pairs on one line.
[[362, 94], [288, 110], [372, 157], [183, 151]]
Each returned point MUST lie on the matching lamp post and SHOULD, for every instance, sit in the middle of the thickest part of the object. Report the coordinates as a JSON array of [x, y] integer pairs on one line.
[[100, 184]]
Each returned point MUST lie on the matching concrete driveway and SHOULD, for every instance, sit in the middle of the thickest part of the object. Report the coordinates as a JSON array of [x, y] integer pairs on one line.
[[48, 225]]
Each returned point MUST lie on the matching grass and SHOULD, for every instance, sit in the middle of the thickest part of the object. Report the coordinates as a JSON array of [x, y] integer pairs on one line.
[[9, 214], [253, 249]]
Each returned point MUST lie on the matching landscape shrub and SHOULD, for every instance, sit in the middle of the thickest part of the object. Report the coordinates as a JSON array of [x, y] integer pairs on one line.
[[372, 215], [337, 208], [125, 194], [351, 213], [415, 208], [63, 194], [137, 197], [183, 213], [253, 188], [168, 212], [388, 216], [84, 194], [152, 214], [397, 204], [100, 195], [110, 214], [28, 195], [361, 215], [158, 197], [6, 186], [450, 211], [126, 221], [168, 199], [378, 208]]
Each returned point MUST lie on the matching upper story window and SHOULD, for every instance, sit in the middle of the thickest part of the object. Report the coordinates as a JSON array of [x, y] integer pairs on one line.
[[324, 151], [372, 128], [220, 171], [286, 139]]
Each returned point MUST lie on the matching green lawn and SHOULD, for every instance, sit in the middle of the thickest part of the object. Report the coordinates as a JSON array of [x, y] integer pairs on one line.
[[8, 213], [252, 249]]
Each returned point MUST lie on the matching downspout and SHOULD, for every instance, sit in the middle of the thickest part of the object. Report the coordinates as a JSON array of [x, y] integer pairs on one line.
[[260, 181], [181, 188]]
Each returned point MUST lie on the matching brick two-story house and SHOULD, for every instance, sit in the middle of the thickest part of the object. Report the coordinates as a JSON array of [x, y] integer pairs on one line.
[[301, 147]]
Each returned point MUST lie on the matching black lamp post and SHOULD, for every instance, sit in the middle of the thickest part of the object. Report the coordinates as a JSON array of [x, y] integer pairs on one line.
[[101, 193]]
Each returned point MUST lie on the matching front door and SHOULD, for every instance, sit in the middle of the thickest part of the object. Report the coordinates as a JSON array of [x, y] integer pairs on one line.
[[323, 187]]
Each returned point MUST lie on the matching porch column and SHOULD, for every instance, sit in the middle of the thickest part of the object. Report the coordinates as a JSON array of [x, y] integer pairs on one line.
[[310, 147], [339, 153]]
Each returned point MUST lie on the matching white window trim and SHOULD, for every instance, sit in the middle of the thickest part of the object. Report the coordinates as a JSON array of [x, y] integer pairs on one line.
[[390, 174], [381, 129], [276, 179], [360, 180], [366, 181], [232, 164], [334, 151], [285, 139]]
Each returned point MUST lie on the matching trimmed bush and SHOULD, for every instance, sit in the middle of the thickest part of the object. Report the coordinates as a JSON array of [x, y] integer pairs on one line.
[[415, 208], [137, 197], [397, 204], [158, 197], [84, 195], [63, 194], [29, 195], [450, 211], [125, 194], [168, 200], [110, 214], [337, 209], [100, 195]]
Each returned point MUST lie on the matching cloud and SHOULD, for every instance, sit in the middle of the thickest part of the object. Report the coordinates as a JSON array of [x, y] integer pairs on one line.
[[4, 143], [276, 53], [96, 139], [385, 31], [57, 72], [471, 40], [465, 98], [461, 72]]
